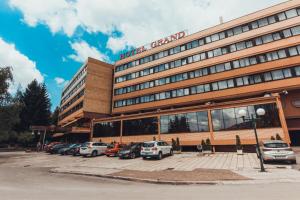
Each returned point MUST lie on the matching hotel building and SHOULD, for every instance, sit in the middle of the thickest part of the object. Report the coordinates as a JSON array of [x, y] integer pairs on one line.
[[87, 96], [192, 87]]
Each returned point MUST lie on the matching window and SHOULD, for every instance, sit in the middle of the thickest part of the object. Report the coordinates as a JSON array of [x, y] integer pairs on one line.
[[281, 16], [282, 54], [293, 51], [267, 76], [291, 13], [214, 37], [296, 30], [267, 38], [287, 33], [107, 129], [237, 30], [262, 22], [208, 39], [144, 126], [297, 70], [278, 74]]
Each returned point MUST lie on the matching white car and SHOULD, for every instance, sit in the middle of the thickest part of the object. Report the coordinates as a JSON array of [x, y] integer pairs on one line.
[[93, 149], [156, 149], [277, 150]]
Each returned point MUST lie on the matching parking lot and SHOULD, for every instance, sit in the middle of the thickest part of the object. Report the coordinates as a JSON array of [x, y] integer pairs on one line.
[[246, 165]]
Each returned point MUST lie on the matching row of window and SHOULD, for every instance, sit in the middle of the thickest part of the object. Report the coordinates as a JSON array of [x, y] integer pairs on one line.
[[72, 110], [213, 53], [74, 90], [229, 118], [75, 98], [215, 86], [71, 84], [215, 37], [244, 62], [191, 122]]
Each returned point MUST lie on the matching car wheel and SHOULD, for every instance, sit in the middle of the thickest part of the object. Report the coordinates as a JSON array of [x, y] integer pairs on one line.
[[132, 155], [94, 153], [171, 152], [159, 156], [265, 161], [293, 162], [144, 158], [107, 155]]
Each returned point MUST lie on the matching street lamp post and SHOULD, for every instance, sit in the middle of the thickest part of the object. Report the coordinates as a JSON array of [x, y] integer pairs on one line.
[[253, 119]]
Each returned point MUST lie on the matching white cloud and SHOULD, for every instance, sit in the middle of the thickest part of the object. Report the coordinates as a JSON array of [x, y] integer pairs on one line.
[[83, 50], [24, 69], [60, 81], [139, 22]]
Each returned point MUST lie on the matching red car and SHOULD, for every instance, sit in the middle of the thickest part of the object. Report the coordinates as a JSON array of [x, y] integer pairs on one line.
[[50, 145], [113, 150]]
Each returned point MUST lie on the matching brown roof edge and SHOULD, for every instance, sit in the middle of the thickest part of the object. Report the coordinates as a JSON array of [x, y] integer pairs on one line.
[[96, 61]]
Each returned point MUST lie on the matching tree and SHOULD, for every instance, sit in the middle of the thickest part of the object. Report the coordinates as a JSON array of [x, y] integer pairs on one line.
[[54, 116], [36, 106], [5, 78]]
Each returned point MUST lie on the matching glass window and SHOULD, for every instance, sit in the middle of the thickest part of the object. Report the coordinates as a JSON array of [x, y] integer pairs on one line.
[[278, 74], [267, 38], [208, 39], [214, 86], [177, 63], [210, 54], [213, 69], [230, 83], [291, 13], [232, 48], [182, 48], [189, 45], [237, 30], [220, 68], [200, 89], [236, 64], [215, 37], [195, 44], [297, 71], [267, 76], [281, 54], [287, 33], [196, 58], [193, 90], [287, 73], [227, 66], [245, 28], [217, 120], [229, 32], [271, 19], [254, 25], [262, 22], [107, 129], [276, 36], [222, 35], [281, 16], [240, 46], [217, 52], [253, 60], [222, 85], [239, 81], [293, 51], [296, 30], [201, 42], [192, 123], [202, 120], [229, 119], [145, 126], [258, 41], [203, 56]]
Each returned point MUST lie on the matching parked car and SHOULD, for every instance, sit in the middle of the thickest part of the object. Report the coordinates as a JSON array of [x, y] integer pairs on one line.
[[156, 149], [56, 148], [113, 149], [50, 145], [93, 149], [132, 151], [64, 150], [75, 151], [277, 150]]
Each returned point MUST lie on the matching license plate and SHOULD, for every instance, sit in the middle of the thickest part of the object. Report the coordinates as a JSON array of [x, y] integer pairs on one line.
[[147, 149], [279, 156]]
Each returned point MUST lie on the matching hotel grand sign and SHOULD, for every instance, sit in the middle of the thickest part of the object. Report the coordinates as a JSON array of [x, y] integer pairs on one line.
[[154, 44]]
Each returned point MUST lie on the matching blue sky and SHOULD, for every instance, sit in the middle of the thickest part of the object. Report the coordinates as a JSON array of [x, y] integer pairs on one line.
[[50, 39]]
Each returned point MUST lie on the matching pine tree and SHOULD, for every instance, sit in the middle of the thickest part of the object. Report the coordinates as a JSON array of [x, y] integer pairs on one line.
[[54, 116], [36, 106]]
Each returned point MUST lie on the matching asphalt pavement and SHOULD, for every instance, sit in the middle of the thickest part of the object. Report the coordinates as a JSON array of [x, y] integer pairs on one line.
[[33, 183]]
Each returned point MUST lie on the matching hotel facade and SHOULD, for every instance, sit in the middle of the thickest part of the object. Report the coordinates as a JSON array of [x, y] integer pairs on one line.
[[192, 87]]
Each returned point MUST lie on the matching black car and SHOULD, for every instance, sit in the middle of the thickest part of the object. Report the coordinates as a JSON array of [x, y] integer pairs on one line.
[[132, 151], [56, 148], [66, 150]]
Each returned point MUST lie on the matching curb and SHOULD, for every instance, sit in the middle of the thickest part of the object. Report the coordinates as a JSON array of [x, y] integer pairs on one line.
[[152, 181]]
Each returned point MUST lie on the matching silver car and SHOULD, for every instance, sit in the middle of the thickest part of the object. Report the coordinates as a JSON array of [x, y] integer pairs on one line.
[[277, 150]]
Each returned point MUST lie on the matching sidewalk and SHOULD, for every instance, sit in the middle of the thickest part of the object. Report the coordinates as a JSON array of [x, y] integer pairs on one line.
[[185, 168]]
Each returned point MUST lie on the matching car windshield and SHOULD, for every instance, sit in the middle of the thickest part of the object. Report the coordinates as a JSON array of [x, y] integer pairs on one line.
[[275, 145], [72, 145], [85, 144], [148, 144]]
